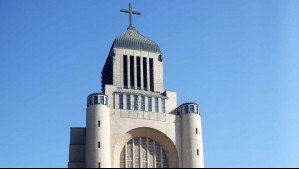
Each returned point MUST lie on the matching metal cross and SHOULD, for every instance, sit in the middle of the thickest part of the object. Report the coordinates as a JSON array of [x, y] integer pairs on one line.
[[130, 12]]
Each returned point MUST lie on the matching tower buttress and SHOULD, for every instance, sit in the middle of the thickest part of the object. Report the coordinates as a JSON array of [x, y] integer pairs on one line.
[[97, 132], [191, 136]]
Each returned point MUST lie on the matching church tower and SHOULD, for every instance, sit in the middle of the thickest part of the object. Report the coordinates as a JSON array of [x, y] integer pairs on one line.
[[133, 122]]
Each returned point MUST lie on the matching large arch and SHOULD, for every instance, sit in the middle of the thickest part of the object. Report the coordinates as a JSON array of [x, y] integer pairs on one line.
[[168, 146]]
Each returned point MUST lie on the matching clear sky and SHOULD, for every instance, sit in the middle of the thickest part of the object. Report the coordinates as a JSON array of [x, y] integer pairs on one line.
[[238, 59]]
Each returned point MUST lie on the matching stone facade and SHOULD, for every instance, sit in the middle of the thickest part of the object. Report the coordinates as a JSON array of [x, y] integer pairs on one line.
[[123, 112]]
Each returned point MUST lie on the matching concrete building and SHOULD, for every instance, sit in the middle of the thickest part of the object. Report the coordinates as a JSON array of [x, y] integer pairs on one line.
[[134, 122]]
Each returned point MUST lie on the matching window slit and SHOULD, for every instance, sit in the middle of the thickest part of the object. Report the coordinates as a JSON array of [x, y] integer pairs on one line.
[[151, 69], [138, 73], [145, 73], [125, 70], [132, 72]]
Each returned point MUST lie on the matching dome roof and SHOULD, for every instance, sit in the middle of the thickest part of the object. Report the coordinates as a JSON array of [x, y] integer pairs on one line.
[[131, 39]]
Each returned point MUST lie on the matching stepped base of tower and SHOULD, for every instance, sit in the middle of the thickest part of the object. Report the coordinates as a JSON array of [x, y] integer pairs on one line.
[[174, 134]]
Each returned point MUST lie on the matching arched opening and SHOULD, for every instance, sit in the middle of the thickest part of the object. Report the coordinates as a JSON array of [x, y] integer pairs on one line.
[[143, 152], [153, 140]]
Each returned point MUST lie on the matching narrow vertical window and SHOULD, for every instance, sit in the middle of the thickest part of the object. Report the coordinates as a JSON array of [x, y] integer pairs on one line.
[[196, 130], [132, 71], [130, 154], [99, 144], [137, 152], [125, 70], [96, 100], [186, 109], [138, 73], [151, 153], [101, 99], [163, 105], [197, 152], [178, 112], [144, 152], [128, 102], [192, 109], [99, 123], [145, 73], [165, 163], [135, 102], [90, 101], [158, 156], [151, 69], [156, 105], [142, 103], [121, 101], [195, 109], [149, 104]]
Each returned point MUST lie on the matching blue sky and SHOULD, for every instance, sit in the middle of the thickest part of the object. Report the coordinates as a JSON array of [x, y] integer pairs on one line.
[[238, 59]]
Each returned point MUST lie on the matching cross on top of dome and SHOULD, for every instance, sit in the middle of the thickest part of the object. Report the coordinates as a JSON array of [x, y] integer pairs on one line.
[[131, 12]]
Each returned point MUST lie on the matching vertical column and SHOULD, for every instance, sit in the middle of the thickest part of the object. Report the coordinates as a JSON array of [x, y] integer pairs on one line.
[[135, 72], [192, 150], [141, 73], [133, 153], [158, 73], [147, 153], [151, 71], [129, 72], [148, 74], [126, 155], [98, 134], [140, 152], [155, 165]]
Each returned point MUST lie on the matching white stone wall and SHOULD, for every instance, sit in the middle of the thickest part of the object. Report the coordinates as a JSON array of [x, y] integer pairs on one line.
[[121, 126], [192, 149], [181, 130], [118, 68], [168, 124], [171, 102], [176, 133], [96, 134]]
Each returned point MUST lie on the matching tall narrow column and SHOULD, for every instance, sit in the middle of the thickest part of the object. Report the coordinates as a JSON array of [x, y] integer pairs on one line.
[[151, 71], [192, 149], [148, 74], [97, 132], [141, 73]]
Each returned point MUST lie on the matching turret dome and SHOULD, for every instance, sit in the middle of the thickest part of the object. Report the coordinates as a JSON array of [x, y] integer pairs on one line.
[[132, 39]]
